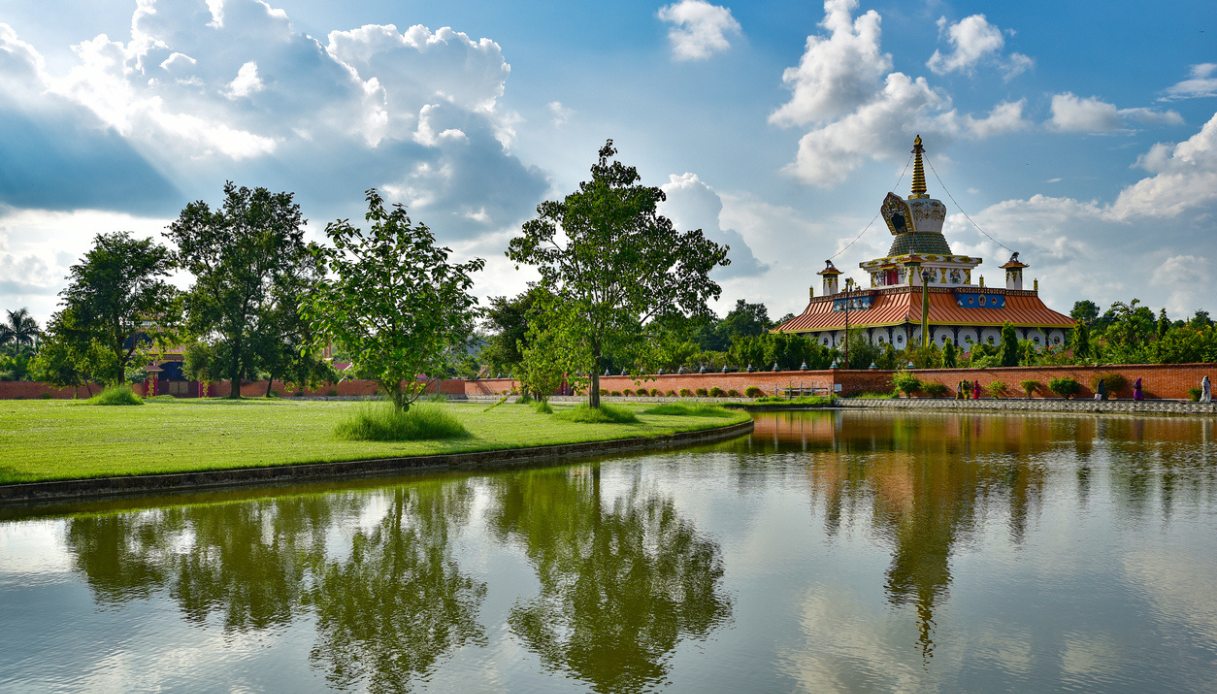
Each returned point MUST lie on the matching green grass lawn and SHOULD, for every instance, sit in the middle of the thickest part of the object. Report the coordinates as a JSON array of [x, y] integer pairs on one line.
[[58, 439]]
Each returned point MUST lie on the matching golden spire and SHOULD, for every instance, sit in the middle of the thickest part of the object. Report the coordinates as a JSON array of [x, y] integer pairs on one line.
[[918, 171]]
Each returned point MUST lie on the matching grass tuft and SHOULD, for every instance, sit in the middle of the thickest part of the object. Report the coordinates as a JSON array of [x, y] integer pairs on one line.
[[605, 414], [382, 422], [542, 407], [116, 395], [679, 409]]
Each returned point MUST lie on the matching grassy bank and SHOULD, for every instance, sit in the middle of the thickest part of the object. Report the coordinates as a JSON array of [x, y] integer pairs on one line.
[[49, 439]]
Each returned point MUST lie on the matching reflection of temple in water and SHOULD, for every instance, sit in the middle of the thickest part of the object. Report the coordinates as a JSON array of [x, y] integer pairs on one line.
[[923, 483]]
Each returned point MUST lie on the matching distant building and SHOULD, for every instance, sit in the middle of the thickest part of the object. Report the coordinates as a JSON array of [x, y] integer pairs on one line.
[[889, 311]]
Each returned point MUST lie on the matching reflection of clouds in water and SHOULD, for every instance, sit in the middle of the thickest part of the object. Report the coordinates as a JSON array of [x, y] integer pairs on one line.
[[1180, 587], [33, 547], [850, 645], [1006, 648], [1089, 654]]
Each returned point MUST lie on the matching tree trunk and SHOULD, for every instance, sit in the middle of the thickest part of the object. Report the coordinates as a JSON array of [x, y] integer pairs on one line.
[[593, 392], [270, 382], [234, 372]]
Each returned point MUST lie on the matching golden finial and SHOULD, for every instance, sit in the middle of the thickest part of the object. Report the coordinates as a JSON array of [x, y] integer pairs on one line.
[[918, 171]]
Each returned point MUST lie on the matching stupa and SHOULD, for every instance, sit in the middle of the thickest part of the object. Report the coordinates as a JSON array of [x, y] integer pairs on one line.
[[921, 276]]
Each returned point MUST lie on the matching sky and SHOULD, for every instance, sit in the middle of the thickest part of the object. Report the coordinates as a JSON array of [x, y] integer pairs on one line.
[[1082, 136]]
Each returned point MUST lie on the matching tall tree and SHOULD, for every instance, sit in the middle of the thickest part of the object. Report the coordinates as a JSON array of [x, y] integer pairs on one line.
[[1009, 345], [237, 254], [117, 296], [605, 249], [507, 322], [20, 331], [1085, 311], [745, 320], [397, 307]]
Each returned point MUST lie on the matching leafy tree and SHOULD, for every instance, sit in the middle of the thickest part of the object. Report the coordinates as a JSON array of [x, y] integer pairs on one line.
[[118, 297], [1081, 341], [238, 255], [949, 355], [605, 249], [745, 320], [1009, 346], [861, 352], [548, 355], [280, 344], [1130, 328], [1201, 320], [1085, 311], [397, 307], [203, 361], [68, 356], [19, 332], [507, 320]]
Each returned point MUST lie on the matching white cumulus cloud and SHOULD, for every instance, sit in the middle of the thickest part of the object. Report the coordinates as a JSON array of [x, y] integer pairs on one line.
[[974, 40], [692, 204], [245, 83], [1202, 83], [857, 109], [1072, 113], [699, 29]]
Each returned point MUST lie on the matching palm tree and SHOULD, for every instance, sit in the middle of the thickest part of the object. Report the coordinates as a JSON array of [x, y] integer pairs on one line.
[[21, 330]]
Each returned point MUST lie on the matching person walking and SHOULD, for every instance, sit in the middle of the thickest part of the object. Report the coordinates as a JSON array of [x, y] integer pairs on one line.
[[1206, 389], [1100, 391], [976, 390], [1137, 393]]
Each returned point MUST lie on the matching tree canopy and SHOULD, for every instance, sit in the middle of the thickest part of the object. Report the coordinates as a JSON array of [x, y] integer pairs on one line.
[[396, 306], [238, 255], [620, 264]]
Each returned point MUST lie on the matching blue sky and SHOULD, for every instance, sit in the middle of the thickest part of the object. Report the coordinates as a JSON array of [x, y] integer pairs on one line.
[[1083, 136]]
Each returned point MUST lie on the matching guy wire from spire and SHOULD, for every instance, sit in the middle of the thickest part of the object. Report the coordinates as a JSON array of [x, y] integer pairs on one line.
[[960, 207], [872, 219]]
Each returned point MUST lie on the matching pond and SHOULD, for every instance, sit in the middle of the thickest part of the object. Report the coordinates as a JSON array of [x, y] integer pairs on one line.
[[829, 550]]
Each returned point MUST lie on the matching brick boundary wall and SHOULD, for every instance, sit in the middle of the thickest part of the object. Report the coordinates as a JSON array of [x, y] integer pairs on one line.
[[1159, 381]]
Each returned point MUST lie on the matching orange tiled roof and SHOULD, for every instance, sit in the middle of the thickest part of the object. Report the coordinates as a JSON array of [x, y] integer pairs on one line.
[[901, 305]]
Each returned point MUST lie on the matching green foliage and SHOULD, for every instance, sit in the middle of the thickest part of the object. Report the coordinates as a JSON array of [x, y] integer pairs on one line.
[[1030, 387], [745, 320], [906, 382], [1112, 382], [1085, 312], [116, 395], [888, 358], [396, 305], [717, 392], [1081, 341], [996, 389], [1009, 346], [685, 393], [683, 410], [861, 352], [116, 287], [926, 356], [19, 332], [753, 392], [386, 422], [542, 407], [548, 354], [1064, 387], [604, 414], [949, 355], [702, 393], [508, 322], [875, 396], [935, 389], [246, 257], [588, 248], [1193, 394]]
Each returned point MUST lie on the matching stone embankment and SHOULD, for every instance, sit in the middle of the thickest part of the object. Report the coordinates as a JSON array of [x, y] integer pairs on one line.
[[1144, 407]]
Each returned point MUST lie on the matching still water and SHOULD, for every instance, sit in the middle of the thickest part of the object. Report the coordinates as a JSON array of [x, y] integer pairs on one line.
[[829, 550]]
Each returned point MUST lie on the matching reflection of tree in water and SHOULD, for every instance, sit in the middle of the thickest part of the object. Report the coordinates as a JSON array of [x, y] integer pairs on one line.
[[384, 614], [400, 602], [1167, 459], [925, 482], [619, 588]]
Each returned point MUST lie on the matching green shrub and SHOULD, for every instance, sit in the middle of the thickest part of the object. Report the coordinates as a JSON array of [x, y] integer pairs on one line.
[[906, 383], [996, 389], [1193, 394], [753, 392], [628, 393], [935, 390], [1114, 383], [542, 407], [671, 393], [605, 414], [383, 422], [116, 395], [812, 400], [1064, 387], [603, 392], [685, 392], [615, 393], [702, 393], [1030, 388], [733, 393], [717, 392], [655, 392], [683, 410], [331, 393]]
